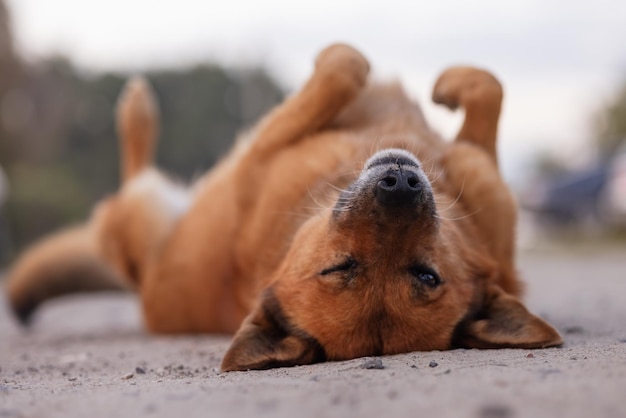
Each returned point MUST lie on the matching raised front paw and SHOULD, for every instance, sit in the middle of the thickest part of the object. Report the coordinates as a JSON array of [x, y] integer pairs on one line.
[[344, 60], [463, 86]]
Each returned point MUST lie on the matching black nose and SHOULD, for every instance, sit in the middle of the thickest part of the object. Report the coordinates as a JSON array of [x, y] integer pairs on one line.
[[398, 188]]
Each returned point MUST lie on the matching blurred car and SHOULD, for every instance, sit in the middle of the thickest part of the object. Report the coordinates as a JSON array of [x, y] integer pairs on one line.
[[594, 196], [614, 191]]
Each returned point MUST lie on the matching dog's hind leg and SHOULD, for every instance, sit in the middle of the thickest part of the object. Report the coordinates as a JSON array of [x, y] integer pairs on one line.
[[471, 164], [133, 224], [479, 93], [137, 126], [340, 73]]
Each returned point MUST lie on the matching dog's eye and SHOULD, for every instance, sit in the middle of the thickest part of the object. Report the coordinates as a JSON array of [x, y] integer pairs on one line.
[[426, 275], [347, 265]]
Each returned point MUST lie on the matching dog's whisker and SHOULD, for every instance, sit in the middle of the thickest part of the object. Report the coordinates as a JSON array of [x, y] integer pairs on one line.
[[373, 147], [295, 214], [459, 217], [352, 172], [343, 209], [458, 197], [339, 189], [437, 177], [448, 203], [334, 209], [431, 163], [320, 205]]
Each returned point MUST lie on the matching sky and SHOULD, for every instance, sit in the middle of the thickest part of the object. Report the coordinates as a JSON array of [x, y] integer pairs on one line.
[[560, 61]]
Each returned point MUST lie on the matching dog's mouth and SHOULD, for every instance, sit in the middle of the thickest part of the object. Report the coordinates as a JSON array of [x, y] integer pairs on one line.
[[392, 183]]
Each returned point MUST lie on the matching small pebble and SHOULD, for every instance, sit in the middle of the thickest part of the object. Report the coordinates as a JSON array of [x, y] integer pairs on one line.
[[373, 363], [574, 330], [530, 355], [72, 379], [495, 411], [128, 376], [140, 370], [433, 363]]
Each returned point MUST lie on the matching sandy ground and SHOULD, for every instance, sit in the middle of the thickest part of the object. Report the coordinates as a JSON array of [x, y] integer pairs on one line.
[[88, 356]]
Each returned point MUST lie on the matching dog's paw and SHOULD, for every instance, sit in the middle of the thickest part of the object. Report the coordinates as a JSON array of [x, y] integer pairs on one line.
[[137, 102], [345, 60], [462, 86]]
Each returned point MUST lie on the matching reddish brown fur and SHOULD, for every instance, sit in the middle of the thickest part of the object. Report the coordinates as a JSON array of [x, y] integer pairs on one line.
[[254, 249], [137, 126]]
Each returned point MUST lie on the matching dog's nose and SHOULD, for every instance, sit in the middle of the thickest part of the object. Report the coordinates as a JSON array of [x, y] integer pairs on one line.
[[398, 188]]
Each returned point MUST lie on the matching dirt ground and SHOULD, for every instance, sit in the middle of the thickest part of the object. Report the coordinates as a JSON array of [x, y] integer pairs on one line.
[[89, 356]]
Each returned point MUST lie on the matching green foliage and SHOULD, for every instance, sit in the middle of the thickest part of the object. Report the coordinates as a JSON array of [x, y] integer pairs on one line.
[[43, 197], [611, 123]]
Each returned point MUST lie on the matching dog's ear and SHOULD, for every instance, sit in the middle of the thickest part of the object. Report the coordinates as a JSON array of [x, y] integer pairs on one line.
[[504, 322], [266, 340]]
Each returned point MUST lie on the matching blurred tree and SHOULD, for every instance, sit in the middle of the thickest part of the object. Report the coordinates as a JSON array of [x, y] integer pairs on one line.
[[8, 60], [57, 134], [9, 73], [67, 154], [610, 123]]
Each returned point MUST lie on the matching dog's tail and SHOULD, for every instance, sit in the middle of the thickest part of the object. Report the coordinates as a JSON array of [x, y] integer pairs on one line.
[[479, 93], [64, 263], [137, 125]]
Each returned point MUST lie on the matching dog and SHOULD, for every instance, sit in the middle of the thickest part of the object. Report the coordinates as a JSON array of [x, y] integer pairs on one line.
[[340, 226]]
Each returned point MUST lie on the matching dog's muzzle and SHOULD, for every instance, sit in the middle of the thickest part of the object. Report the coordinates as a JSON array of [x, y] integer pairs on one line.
[[399, 180], [398, 187], [392, 180]]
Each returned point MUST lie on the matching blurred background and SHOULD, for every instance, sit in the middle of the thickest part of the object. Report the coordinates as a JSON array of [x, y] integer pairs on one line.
[[216, 67]]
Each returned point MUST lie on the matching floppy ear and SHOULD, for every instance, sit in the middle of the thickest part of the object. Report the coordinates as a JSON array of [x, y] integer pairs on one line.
[[266, 340], [504, 322]]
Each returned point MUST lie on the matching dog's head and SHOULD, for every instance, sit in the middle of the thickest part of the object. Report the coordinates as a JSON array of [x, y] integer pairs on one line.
[[382, 273]]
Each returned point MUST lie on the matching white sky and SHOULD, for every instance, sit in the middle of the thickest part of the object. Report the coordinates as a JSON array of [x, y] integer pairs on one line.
[[559, 60]]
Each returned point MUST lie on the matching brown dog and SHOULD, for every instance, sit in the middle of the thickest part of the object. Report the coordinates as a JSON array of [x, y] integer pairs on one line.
[[341, 227]]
